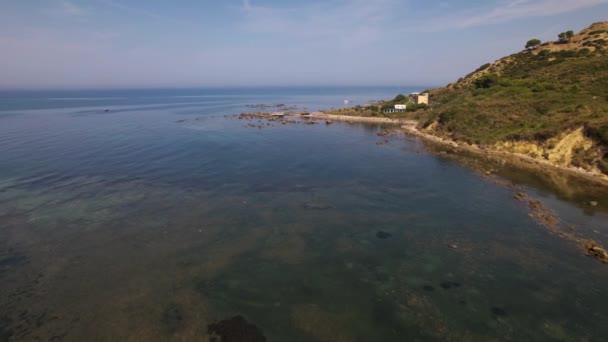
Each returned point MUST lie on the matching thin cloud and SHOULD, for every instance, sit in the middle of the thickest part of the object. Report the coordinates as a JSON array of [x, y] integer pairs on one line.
[[505, 11], [71, 9], [347, 23], [246, 4], [147, 13]]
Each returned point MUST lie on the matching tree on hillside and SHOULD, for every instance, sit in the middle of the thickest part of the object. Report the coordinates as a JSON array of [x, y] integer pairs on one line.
[[533, 43], [565, 36], [400, 98], [569, 34]]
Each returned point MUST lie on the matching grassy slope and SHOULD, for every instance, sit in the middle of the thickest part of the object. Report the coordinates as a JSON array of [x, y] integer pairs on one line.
[[530, 96]]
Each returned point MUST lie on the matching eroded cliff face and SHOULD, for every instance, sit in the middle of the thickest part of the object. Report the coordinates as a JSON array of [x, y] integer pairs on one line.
[[570, 149]]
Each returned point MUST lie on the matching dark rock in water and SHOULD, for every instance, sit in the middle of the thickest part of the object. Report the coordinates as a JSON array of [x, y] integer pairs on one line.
[[172, 317], [498, 311], [107, 110], [383, 276], [235, 329], [428, 288], [386, 313], [383, 235], [446, 285]]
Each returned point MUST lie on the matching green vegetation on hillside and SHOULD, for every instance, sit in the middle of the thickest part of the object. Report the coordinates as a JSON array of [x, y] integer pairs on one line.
[[532, 95], [376, 109]]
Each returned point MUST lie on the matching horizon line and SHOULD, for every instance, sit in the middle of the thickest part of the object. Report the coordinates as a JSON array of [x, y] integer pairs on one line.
[[211, 87]]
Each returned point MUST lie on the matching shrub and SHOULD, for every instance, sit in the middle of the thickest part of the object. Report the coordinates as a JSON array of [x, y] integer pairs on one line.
[[599, 42], [486, 81], [599, 133], [583, 52], [543, 135], [446, 117], [565, 54], [597, 32], [544, 53]]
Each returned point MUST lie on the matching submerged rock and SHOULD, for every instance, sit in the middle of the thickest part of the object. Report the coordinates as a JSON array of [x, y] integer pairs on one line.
[[235, 329], [446, 285], [383, 235], [428, 288], [496, 311]]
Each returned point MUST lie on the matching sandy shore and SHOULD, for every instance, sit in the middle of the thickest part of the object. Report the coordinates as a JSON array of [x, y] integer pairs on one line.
[[409, 126]]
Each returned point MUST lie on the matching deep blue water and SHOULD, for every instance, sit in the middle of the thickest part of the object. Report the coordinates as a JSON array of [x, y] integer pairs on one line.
[[136, 215]]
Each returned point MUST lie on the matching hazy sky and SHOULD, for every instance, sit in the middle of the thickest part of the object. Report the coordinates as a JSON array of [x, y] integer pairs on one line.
[[188, 43]]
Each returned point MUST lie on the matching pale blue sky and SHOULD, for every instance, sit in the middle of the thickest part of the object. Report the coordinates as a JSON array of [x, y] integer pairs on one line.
[[208, 43]]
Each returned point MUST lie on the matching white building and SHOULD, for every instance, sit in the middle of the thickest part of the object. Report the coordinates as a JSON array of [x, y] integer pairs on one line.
[[398, 109]]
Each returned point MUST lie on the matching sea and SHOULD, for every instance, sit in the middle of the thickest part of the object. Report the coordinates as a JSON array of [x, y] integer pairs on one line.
[[161, 215]]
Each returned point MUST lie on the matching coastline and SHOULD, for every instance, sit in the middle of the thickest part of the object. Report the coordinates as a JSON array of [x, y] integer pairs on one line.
[[368, 119], [409, 126], [521, 159]]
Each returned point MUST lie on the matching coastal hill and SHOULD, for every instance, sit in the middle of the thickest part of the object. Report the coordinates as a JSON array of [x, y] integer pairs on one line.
[[549, 101]]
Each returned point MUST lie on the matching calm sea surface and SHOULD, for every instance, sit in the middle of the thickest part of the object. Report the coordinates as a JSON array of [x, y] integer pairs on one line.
[[147, 215]]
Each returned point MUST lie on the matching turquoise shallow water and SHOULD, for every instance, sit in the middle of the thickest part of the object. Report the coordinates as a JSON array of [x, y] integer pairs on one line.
[[165, 213]]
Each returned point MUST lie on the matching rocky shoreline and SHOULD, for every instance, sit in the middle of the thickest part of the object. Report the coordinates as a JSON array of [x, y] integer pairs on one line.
[[518, 158], [410, 127], [369, 119]]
